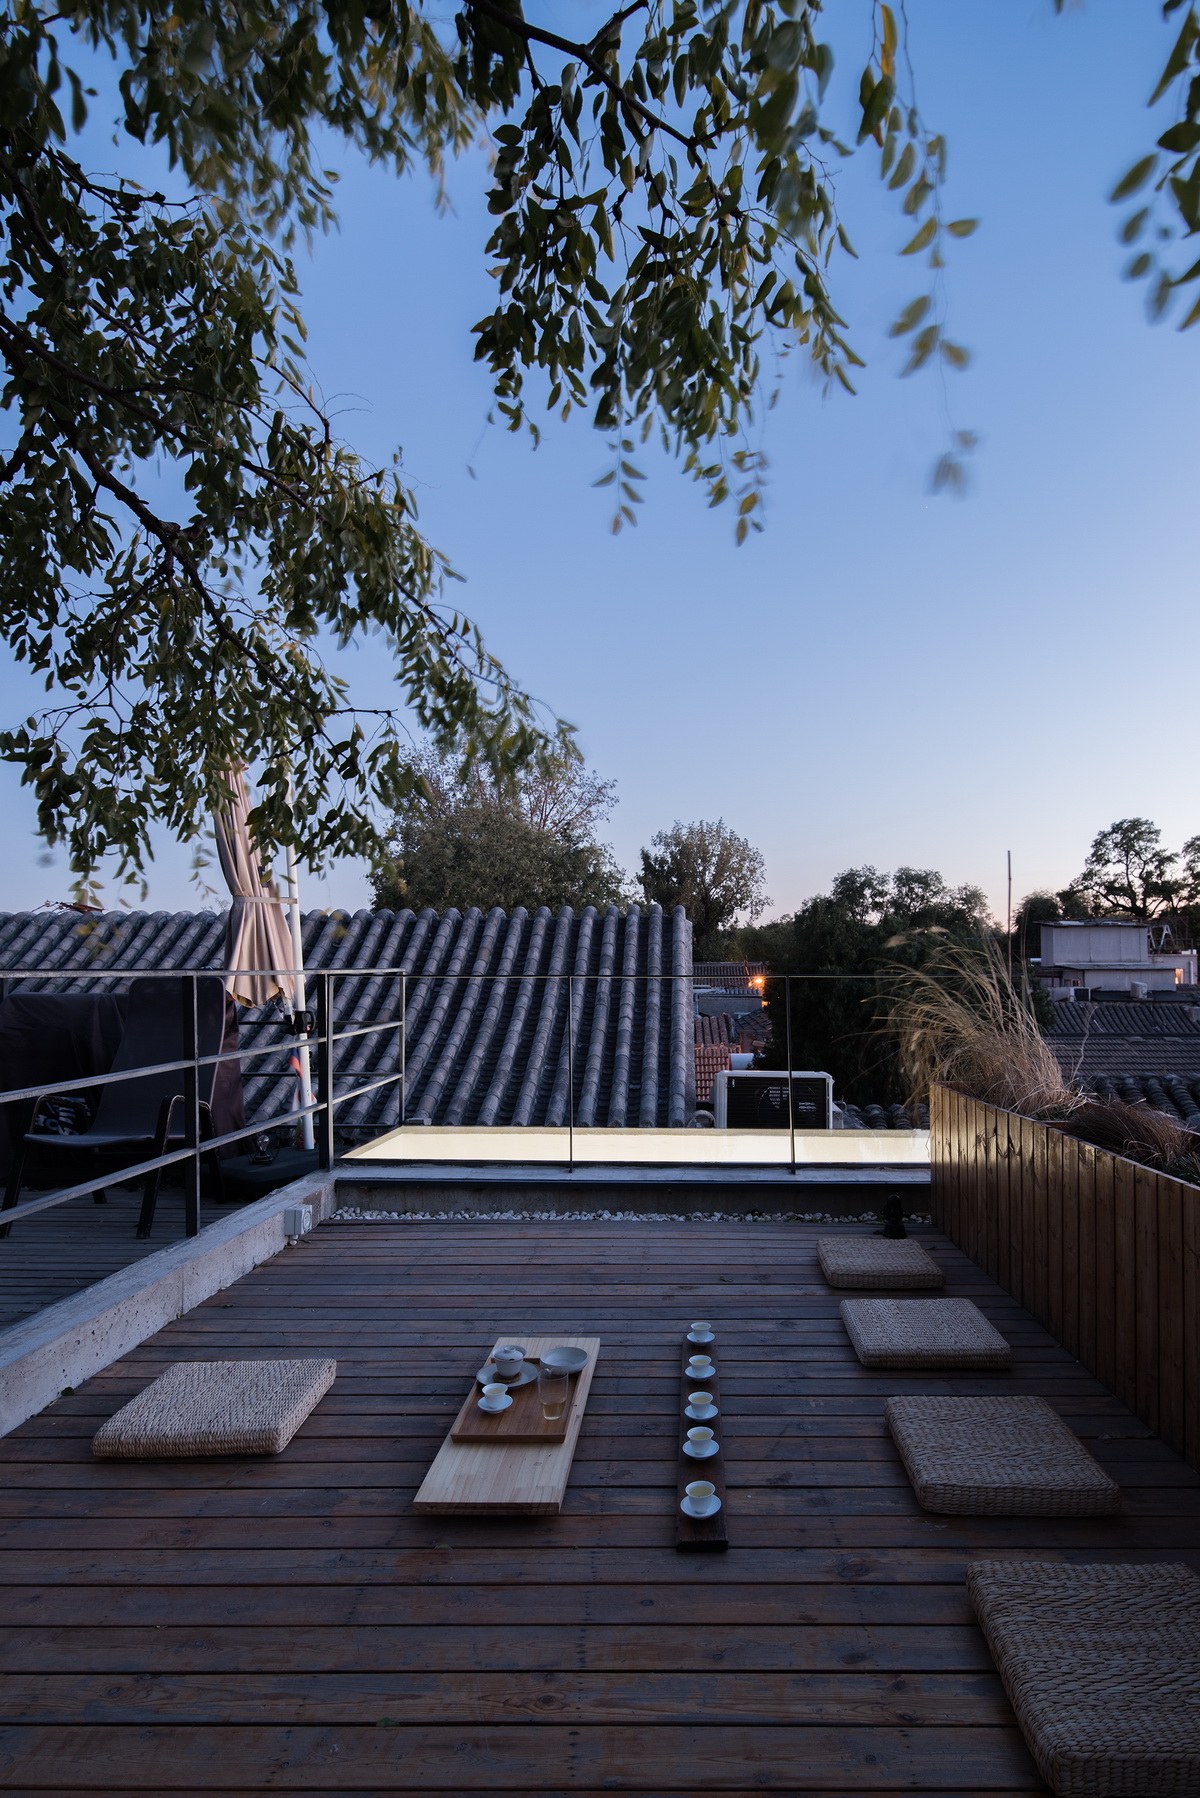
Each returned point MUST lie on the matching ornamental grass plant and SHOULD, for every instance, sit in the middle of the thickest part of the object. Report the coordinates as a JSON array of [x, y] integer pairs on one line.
[[1139, 1133], [959, 1021]]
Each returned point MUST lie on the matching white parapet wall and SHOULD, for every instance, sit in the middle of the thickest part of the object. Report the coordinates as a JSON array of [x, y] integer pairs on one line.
[[492, 1143]]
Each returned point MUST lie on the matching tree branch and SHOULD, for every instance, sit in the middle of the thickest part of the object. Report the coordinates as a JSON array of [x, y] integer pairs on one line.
[[585, 53]]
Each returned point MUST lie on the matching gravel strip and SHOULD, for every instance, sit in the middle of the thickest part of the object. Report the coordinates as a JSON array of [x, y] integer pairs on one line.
[[350, 1214]]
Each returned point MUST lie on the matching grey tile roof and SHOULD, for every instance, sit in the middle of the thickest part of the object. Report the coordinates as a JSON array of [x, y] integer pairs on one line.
[[481, 1050], [1176, 1094], [1115, 1041]]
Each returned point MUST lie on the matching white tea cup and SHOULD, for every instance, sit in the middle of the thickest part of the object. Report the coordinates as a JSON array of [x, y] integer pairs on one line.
[[700, 1332], [509, 1359], [700, 1401], [494, 1395], [700, 1437], [702, 1496]]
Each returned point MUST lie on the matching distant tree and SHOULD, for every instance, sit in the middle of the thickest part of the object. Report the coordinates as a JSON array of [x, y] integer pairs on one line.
[[865, 925], [709, 870], [463, 838], [1129, 874], [1035, 910]]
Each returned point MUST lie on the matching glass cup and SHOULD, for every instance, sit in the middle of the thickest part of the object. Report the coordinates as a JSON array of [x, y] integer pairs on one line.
[[552, 1391]]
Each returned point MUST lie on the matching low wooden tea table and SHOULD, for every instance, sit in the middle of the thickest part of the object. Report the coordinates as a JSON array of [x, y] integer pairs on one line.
[[517, 1478]]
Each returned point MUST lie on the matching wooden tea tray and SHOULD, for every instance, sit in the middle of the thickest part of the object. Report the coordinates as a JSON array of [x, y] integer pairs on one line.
[[517, 1479], [700, 1535], [521, 1422]]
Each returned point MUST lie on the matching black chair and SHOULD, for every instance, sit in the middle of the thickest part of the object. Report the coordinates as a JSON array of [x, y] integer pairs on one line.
[[138, 1114]]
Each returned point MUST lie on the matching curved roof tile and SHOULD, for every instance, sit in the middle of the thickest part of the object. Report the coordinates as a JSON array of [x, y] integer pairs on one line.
[[487, 1029]]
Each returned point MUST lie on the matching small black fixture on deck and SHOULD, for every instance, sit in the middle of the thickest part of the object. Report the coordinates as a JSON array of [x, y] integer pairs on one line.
[[893, 1219]]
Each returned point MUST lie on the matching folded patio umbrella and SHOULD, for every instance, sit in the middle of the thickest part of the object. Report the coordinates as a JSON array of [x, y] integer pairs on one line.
[[259, 953], [263, 953]]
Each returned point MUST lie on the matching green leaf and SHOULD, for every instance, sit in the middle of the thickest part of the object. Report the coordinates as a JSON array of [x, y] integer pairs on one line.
[[916, 196], [1134, 178], [924, 236], [1178, 60], [924, 344], [962, 227], [904, 167], [1181, 137], [911, 317]]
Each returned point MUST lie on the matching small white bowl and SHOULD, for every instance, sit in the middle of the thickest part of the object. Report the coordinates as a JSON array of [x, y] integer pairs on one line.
[[496, 1397], [565, 1360]]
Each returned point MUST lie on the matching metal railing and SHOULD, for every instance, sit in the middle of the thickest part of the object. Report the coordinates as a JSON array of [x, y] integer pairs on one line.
[[563, 1013], [196, 1145]]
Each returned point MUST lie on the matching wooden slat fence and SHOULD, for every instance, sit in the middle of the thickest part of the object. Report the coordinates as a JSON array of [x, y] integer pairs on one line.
[[1104, 1253]]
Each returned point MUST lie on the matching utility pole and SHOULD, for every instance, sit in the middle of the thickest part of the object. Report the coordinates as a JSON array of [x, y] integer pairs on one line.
[[1009, 922]]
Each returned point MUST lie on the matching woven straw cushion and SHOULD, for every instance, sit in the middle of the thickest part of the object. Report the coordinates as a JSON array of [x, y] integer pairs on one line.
[[923, 1333], [874, 1261], [1102, 1666], [997, 1457], [217, 1408]]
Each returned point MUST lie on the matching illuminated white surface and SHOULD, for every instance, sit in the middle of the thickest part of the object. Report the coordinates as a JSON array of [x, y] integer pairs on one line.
[[698, 1148]]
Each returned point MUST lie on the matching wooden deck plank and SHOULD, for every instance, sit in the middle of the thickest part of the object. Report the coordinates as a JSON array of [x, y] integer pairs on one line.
[[513, 1696], [230, 1626], [519, 1757]]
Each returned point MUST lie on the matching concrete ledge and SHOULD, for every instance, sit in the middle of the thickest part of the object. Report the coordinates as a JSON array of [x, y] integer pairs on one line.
[[678, 1195], [67, 1343]]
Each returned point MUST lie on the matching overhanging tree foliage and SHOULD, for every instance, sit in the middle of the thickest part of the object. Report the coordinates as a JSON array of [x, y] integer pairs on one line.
[[180, 524]]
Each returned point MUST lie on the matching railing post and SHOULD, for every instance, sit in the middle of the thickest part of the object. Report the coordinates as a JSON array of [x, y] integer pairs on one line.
[[325, 1070], [787, 1006], [191, 1108], [403, 1038]]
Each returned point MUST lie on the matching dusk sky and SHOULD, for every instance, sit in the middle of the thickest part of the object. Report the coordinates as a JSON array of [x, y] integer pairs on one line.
[[883, 676]]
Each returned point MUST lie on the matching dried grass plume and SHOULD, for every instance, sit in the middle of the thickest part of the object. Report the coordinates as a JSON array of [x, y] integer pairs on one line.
[[960, 1021]]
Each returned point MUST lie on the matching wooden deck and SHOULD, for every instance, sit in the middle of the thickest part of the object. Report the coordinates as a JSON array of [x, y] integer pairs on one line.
[[290, 1626], [60, 1252]]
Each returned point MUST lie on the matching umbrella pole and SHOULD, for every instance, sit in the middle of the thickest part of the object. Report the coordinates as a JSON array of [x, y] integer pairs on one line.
[[302, 1054]]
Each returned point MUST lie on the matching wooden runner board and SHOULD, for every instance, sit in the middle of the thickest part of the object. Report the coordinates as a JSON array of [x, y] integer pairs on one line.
[[522, 1423], [477, 1479], [700, 1535]]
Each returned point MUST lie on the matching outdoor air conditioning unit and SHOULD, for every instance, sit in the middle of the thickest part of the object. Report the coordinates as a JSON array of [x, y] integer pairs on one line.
[[758, 1099]]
